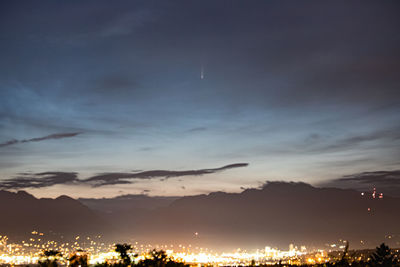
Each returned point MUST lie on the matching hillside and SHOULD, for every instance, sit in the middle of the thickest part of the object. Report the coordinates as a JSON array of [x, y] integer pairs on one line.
[[278, 214], [22, 213]]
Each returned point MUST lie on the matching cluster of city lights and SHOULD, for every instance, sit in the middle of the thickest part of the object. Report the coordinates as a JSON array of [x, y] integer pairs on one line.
[[30, 251], [96, 250]]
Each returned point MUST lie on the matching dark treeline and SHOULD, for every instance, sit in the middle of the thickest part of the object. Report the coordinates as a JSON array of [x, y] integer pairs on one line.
[[382, 256], [155, 258]]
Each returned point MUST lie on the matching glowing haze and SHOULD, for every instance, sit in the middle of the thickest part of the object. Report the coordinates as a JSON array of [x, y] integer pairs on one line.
[[201, 95]]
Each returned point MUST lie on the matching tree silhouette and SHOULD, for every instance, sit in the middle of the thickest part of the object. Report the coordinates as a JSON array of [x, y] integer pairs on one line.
[[158, 255], [123, 249], [158, 258], [344, 261], [78, 259], [52, 253], [50, 258], [382, 256]]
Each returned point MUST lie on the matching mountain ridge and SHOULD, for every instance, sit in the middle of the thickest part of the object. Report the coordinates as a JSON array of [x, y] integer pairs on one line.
[[278, 213], [62, 216]]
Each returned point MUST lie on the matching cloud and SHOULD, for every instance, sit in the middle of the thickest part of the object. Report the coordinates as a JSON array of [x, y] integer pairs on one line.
[[38, 139], [391, 135], [9, 143], [387, 182], [197, 129], [118, 178], [45, 179], [320, 143], [39, 180]]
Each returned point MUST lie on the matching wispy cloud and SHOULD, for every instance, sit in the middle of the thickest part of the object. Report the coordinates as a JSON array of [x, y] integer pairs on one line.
[[120, 178], [197, 129], [38, 139], [38, 180], [45, 179], [350, 142]]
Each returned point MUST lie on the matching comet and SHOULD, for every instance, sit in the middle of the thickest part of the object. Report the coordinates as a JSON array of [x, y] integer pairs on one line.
[[202, 72]]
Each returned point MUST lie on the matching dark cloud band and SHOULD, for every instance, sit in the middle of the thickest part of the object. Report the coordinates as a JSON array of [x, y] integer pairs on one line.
[[118, 178], [45, 179], [38, 180], [38, 139]]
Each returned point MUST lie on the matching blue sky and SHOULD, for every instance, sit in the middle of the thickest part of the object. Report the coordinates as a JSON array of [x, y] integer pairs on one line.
[[300, 91]]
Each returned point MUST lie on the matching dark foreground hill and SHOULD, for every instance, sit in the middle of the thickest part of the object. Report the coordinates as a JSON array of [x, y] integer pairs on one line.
[[278, 214], [21, 213]]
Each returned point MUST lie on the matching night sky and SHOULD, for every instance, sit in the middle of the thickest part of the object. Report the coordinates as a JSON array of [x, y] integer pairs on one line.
[[102, 98]]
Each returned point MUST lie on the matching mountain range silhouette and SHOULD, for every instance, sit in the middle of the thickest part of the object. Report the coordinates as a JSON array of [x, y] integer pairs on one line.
[[277, 214]]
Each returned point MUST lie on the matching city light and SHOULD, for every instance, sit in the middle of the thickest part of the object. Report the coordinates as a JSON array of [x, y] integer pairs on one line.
[[31, 251]]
